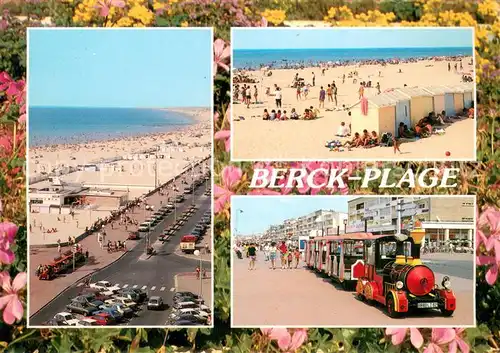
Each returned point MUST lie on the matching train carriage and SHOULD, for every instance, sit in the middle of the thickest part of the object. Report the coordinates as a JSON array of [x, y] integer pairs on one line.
[[382, 268]]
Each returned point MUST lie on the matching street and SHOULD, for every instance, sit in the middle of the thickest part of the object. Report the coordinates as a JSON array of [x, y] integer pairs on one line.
[[300, 297], [151, 273]]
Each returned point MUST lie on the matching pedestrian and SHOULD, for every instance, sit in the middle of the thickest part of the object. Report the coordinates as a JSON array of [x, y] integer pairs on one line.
[[76, 224], [289, 259], [343, 78], [329, 93], [266, 252], [361, 91], [252, 254], [277, 97], [322, 94], [296, 254], [314, 79], [59, 246], [378, 87], [273, 251], [334, 89], [283, 250]]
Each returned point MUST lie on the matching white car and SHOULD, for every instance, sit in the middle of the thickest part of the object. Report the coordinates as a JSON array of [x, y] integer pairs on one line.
[[66, 319], [105, 286], [87, 322], [122, 300], [190, 304], [193, 311]]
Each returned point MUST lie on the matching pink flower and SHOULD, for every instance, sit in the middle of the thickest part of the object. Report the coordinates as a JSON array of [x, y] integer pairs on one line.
[[440, 337], [104, 6], [13, 89], [492, 272], [10, 303], [8, 233], [231, 176], [398, 335], [222, 53], [224, 135], [286, 341], [458, 343]]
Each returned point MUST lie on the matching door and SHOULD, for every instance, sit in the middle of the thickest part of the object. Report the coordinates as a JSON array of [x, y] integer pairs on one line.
[[468, 99], [402, 114], [449, 104]]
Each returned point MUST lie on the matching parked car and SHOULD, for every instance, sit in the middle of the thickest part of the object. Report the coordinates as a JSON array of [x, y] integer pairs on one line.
[[191, 317], [133, 236], [122, 309], [155, 303], [98, 293], [66, 319], [127, 293], [185, 323], [192, 311], [103, 319], [115, 315], [142, 294], [79, 308], [190, 304], [121, 300], [87, 322], [105, 286]]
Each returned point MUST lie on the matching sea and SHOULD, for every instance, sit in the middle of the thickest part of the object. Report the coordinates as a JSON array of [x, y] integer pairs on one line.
[[278, 58], [56, 125]]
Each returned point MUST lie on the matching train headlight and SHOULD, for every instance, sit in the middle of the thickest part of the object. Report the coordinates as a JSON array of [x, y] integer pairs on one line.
[[446, 282], [399, 285]]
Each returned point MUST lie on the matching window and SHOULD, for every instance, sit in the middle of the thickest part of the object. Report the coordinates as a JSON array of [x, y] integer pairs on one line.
[[467, 219], [360, 206], [468, 204]]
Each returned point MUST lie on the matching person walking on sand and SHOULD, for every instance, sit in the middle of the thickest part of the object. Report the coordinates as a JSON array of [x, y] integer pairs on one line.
[[298, 93], [314, 79], [343, 78], [334, 89], [378, 87], [361, 91], [277, 97], [322, 95], [248, 96], [329, 93], [252, 254], [395, 142], [255, 93]]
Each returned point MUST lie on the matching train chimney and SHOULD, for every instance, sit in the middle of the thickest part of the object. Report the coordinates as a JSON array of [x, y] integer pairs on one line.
[[418, 235]]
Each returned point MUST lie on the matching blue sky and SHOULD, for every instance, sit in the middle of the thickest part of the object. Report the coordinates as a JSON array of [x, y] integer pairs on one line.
[[274, 38], [260, 212], [132, 68]]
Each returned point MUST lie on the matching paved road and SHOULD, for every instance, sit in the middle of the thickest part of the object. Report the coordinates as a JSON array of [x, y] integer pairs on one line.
[[456, 265], [42, 292], [155, 274], [302, 298]]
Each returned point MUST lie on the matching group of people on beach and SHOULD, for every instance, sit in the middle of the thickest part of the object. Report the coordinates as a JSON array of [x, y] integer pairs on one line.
[[244, 94], [289, 256]]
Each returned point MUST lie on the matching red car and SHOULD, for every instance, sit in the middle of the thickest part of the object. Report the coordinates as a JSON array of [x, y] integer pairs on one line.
[[103, 319]]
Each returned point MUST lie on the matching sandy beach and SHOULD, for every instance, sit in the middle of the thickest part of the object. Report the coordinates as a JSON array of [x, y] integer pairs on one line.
[[254, 138], [129, 174]]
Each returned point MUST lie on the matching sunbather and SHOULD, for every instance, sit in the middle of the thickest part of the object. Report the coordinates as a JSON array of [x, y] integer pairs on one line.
[[372, 141], [355, 142]]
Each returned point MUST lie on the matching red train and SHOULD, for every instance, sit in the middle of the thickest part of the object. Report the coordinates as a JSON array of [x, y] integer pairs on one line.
[[382, 268]]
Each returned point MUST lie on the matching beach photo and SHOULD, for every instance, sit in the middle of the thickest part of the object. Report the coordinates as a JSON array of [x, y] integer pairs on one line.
[[357, 261], [119, 169], [353, 94]]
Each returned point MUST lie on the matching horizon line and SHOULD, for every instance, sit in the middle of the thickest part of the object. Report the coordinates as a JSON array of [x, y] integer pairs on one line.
[[117, 107], [356, 48]]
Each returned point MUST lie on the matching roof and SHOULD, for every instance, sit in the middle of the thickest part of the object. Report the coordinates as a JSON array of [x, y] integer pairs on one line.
[[414, 92], [437, 90], [381, 100], [460, 88]]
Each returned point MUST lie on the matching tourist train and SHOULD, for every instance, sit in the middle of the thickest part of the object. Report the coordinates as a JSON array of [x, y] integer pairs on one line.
[[382, 268]]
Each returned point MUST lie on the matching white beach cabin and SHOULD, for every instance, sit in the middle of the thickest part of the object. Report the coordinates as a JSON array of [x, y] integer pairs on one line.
[[421, 103], [381, 115], [458, 98]]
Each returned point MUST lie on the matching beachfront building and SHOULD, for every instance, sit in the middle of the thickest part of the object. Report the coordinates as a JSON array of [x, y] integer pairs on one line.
[[443, 218], [442, 99], [376, 113], [421, 103], [57, 197]]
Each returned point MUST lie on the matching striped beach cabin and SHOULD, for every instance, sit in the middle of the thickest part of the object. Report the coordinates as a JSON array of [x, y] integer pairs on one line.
[[421, 102]]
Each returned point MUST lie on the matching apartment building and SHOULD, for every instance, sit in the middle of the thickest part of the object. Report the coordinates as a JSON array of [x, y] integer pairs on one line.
[[444, 218]]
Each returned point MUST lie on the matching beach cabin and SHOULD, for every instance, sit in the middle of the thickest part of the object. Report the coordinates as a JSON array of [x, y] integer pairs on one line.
[[403, 114], [458, 98], [380, 117], [468, 94], [421, 103], [438, 98]]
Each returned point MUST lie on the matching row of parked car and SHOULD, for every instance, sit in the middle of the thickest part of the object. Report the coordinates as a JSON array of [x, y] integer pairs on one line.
[[181, 220], [189, 309], [102, 304]]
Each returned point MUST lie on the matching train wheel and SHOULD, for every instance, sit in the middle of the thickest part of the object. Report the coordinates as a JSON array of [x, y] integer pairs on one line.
[[447, 313], [391, 308]]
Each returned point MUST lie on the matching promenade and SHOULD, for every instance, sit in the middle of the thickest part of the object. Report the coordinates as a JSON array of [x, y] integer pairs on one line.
[[42, 292], [300, 297]]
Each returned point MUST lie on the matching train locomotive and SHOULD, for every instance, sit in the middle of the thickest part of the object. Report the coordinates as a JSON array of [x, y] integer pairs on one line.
[[395, 277]]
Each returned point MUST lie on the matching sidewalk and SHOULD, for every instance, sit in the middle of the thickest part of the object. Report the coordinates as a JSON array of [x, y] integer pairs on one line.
[[98, 258]]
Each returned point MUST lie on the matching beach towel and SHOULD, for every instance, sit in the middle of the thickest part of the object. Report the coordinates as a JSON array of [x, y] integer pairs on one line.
[[364, 106], [333, 143]]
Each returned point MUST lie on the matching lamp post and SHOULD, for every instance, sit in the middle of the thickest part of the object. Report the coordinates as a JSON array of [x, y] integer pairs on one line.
[[198, 253]]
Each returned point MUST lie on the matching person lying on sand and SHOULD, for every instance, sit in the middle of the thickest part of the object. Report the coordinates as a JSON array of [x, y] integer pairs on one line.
[[343, 130], [372, 141]]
